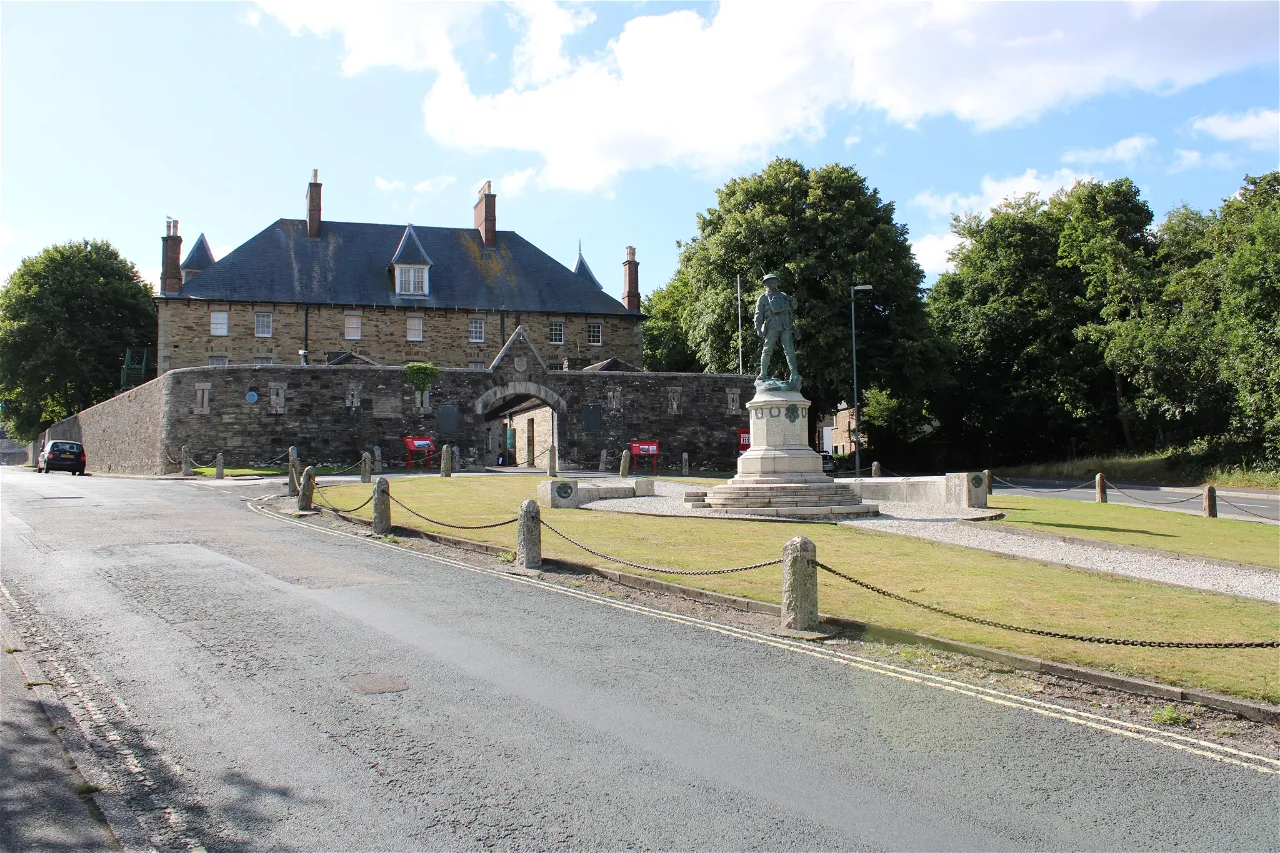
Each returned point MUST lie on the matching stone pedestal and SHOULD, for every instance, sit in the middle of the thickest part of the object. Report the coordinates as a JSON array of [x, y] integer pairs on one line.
[[781, 475]]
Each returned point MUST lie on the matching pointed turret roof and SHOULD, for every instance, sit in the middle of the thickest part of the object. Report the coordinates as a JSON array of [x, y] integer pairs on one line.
[[581, 269], [200, 257], [410, 250]]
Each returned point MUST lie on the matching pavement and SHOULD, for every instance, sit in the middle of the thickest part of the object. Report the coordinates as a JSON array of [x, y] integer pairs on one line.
[[249, 684]]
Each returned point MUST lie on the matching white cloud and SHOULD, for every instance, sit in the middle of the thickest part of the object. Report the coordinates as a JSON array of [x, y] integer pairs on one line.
[[434, 185], [712, 91], [1258, 127], [1124, 151], [931, 251], [249, 17], [514, 183], [387, 186], [993, 191], [854, 137], [1184, 160]]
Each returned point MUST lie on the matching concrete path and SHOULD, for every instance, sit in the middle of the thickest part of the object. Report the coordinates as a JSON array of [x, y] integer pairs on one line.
[[255, 685]]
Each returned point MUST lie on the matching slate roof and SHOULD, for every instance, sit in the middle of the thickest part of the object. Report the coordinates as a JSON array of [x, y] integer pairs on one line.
[[200, 257], [350, 264], [581, 268]]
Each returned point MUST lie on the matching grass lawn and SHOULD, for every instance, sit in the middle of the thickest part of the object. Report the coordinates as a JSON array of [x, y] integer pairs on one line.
[[973, 582], [269, 471], [1219, 538]]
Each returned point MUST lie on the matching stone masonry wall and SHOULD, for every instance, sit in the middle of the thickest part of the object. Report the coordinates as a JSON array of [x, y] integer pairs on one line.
[[334, 414], [124, 434], [184, 339]]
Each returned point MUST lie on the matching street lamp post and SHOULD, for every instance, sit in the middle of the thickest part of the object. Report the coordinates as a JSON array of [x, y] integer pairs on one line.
[[857, 406]]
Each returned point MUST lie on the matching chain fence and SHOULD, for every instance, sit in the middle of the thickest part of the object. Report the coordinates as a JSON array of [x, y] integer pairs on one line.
[[645, 568], [417, 514], [1242, 509], [319, 495], [1039, 632], [1033, 489], [1112, 485]]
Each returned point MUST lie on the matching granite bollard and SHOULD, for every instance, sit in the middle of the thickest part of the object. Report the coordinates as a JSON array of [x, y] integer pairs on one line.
[[624, 467], [293, 471], [552, 466], [1210, 508], [307, 488], [366, 467], [875, 469], [446, 461], [382, 507], [604, 460], [684, 464], [529, 537], [186, 462], [217, 466], [1100, 489], [800, 585], [377, 459], [986, 476]]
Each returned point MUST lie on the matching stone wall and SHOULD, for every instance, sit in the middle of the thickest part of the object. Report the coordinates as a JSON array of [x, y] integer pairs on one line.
[[253, 413], [124, 434], [184, 339]]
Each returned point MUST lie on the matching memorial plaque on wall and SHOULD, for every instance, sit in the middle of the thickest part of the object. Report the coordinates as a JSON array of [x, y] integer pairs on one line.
[[447, 419], [591, 419]]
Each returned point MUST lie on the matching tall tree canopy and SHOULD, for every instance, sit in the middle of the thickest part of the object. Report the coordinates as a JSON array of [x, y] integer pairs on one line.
[[67, 316], [821, 231], [1076, 326]]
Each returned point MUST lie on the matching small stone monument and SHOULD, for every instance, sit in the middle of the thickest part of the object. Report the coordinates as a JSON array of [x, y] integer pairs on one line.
[[446, 461], [552, 465], [624, 467], [781, 474], [684, 464], [377, 459], [604, 460]]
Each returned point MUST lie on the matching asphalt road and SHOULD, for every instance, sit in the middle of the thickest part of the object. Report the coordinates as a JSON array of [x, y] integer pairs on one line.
[[216, 660], [1260, 505]]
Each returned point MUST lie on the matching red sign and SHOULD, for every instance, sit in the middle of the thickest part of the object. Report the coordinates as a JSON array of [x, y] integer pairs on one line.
[[644, 448], [744, 439], [422, 444]]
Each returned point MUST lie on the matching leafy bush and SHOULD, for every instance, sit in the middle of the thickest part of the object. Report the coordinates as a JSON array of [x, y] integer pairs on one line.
[[421, 376]]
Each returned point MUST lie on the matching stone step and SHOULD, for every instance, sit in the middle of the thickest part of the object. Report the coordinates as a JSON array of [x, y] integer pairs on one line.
[[803, 512]]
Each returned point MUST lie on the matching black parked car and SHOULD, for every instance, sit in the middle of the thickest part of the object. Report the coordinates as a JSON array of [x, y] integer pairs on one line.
[[62, 456], [828, 462]]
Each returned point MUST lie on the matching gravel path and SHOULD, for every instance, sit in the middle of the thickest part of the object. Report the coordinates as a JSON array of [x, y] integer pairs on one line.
[[936, 523]]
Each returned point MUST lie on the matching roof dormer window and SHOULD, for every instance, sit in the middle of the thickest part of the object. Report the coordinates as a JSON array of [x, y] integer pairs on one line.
[[411, 280], [412, 266]]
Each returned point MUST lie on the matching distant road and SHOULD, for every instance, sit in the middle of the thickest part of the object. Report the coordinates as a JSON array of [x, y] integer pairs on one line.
[[1257, 505]]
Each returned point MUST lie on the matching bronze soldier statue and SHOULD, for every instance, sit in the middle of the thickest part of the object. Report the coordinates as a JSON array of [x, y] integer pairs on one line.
[[775, 317]]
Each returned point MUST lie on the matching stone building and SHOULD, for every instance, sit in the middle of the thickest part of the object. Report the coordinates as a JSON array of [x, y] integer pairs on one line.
[[325, 292]]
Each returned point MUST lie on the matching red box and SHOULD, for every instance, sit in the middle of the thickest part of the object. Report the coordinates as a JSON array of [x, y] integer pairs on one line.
[[646, 448], [744, 439]]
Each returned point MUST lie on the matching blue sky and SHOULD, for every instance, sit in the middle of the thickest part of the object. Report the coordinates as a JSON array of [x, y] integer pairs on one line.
[[612, 124]]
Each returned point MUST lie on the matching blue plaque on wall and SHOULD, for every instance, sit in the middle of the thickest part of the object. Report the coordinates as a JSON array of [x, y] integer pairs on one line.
[[251, 397]]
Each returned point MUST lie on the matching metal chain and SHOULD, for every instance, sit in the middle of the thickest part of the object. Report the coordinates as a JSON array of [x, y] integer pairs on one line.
[[273, 461], [1152, 503], [454, 526], [345, 470], [623, 562], [1242, 509], [172, 461], [320, 497], [1047, 491], [1110, 641]]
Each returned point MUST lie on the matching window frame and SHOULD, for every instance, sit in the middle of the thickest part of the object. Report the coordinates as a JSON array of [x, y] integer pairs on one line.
[[219, 361], [346, 327], [599, 330], [473, 324], [409, 330], [213, 324], [405, 283], [257, 324], [551, 329]]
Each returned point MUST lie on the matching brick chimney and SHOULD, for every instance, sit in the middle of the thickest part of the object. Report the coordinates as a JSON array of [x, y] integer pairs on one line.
[[486, 211], [631, 281], [171, 258], [313, 205]]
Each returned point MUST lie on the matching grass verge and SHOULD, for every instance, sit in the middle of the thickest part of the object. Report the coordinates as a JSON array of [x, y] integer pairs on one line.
[[279, 471], [1007, 589], [1217, 538]]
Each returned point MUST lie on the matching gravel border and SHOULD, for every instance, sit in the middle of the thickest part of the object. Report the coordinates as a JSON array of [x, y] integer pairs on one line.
[[937, 524]]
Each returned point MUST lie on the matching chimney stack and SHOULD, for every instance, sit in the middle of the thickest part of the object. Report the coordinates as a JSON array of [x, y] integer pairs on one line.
[[486, 211], [171, 258], [631, 281], [313, 205]]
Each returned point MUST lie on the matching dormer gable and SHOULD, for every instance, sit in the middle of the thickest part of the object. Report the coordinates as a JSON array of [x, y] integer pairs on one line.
[[581, 269], [412, 266], [199, 259]]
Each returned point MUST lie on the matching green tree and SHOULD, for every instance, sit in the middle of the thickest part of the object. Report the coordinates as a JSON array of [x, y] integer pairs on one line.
[[821, 231], [67, 316], [666, 345]]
